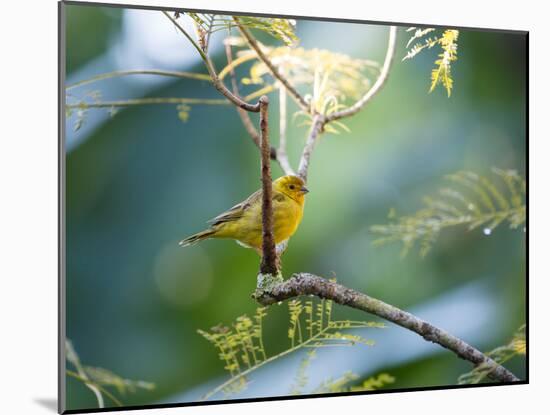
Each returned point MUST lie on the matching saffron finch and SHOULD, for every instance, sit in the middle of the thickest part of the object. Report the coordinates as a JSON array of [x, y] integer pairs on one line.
[[243, 222]]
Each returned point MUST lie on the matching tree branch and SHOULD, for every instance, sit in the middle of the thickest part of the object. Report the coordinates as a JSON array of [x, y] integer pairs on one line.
[[279, 154], [270, 261], [253, 43], [108, 75], [230, 68], [319, 120], [316, 129], [384, 72], [218, 84], [308, 284], [243, 114], [147, 101]]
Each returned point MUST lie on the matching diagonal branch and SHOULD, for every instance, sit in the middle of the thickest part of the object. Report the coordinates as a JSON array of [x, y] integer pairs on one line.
[[319, 120], [108, 75], [309, 284], [253, 43], [384, 72], [243, 114], [316, 129], [218, 84], [279, 154]]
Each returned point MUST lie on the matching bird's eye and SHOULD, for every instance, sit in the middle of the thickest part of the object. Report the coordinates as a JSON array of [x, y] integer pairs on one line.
[[291, 187]]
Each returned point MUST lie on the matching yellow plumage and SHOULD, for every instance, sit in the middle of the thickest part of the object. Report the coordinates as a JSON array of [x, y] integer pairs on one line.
[[243, 222]]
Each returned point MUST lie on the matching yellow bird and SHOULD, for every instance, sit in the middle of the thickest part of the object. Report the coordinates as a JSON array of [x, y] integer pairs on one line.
[[243, 222]]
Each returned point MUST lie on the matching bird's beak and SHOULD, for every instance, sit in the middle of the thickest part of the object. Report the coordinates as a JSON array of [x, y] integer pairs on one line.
[[304, 190]]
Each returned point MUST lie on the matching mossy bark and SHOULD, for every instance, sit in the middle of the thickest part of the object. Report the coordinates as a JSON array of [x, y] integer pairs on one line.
[[301, 284]]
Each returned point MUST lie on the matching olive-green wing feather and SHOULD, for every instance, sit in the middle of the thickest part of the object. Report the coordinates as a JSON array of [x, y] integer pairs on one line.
[[236, 211]]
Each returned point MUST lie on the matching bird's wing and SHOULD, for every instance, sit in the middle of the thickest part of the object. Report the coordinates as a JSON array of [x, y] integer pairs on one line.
[[236, 211]]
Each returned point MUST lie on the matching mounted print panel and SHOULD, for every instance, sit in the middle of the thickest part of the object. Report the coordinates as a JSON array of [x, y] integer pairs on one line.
[[281, 207]]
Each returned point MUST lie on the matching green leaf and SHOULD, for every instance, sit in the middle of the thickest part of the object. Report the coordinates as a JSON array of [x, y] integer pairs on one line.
[[240, 346], [472, 201], [448, 42]]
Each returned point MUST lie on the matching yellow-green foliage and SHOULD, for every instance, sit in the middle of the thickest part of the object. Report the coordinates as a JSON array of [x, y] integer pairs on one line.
[[374, 382], [301, 379], [424, 38], [240, 346], [471, 200], [97, 379], [516, 347], [82, 110], [281, 29], [337, 74], [343, 383], [334, 79]]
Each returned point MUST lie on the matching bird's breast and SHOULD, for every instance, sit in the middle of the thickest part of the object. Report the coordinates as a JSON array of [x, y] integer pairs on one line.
[[287, 215]]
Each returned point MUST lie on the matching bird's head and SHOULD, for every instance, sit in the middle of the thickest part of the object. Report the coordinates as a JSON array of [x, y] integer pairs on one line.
[[292, 186]]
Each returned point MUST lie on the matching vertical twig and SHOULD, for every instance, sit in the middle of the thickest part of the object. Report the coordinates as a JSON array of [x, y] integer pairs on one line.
[[382, 78], [319, 121], [245, 117], [269, 264], [282, 157], [316, 130], [243, 114]]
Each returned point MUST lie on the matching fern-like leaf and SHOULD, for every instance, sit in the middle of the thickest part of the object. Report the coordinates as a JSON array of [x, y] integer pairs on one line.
[[343, 383], [301, 379], [338, 385], [516, 347], [472, 201], [374, 383], [334, 80], [442, 73], [280, 29], [448, 41], [104, 377], [97, 379], [311, 326]]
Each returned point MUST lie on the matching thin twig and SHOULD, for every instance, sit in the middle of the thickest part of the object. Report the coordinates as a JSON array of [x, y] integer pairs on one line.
[[95, 388], [314, 133], [218, 84], [253, 43], [384, 72], [147, 101], [230, 68], [257, 94], [269, 264], [242, 375], [282, 157], [319, 121], [245, 117], [310, 342], [309, 284], [115, 74]]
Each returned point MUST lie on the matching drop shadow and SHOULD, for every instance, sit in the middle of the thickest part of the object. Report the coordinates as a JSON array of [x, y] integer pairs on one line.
[[48, 403]]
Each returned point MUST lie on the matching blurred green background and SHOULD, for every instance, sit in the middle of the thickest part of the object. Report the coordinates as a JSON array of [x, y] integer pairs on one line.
[[142, 180]]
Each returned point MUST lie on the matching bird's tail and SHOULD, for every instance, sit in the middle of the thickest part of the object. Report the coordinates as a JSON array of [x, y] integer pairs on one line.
[[193, 239]]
